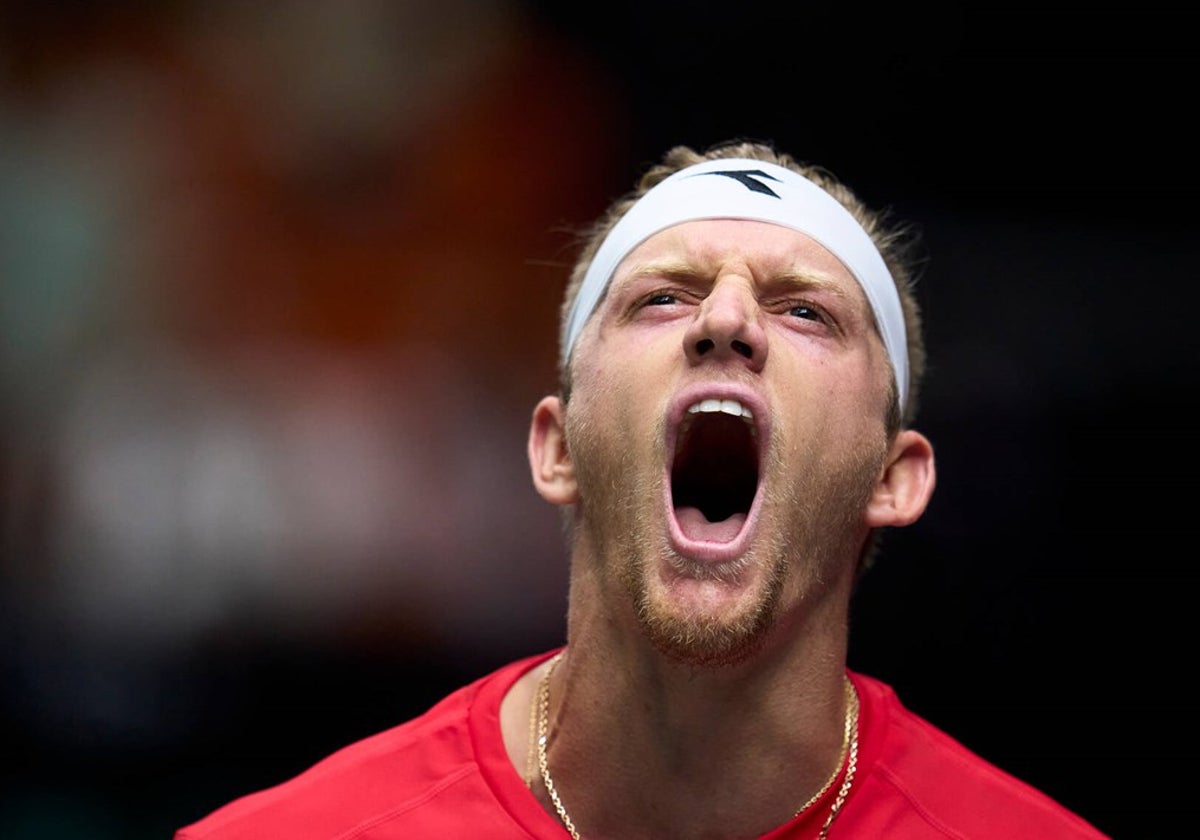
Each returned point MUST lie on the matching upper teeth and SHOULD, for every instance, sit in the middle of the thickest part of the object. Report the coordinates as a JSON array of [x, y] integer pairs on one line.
[[726, 406]]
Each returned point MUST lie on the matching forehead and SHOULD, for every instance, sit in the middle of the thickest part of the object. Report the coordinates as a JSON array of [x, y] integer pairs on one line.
[[711, 246]]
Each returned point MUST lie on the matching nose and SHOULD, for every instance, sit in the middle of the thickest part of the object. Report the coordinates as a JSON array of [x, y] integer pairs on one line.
[[727, 327]]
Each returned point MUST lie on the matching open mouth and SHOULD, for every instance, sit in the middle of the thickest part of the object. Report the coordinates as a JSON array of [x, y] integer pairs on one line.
[[714, 474]]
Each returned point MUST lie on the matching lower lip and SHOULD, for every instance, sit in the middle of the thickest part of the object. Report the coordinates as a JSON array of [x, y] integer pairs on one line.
[[718, 542]]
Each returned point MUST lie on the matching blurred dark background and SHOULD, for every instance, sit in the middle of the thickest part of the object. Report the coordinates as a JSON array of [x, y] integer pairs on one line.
[[278, 286]]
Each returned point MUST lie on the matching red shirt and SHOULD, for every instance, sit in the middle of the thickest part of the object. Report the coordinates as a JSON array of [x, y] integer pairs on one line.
[[446, 775]]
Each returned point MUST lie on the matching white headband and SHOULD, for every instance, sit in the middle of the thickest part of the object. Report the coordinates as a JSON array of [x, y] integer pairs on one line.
[[756, 191]]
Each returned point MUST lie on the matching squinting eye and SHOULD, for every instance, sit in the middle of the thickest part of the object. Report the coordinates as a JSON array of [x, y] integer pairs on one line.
[[661, 300], [806, 312]]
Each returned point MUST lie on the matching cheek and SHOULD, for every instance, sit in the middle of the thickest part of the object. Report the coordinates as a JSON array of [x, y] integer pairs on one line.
[[614, 423], [598, 417], [855, 388], [832, 415], [878, 376], [617, 381], [594, 367]]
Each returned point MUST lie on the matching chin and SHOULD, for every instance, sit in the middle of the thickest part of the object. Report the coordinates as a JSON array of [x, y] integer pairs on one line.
[[702, 644], [706, 622]]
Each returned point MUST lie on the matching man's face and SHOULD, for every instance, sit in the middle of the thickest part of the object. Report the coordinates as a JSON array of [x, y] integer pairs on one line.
[[726, 429]]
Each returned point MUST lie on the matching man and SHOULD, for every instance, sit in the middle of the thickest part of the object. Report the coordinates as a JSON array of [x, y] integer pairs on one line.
[[740, 361]]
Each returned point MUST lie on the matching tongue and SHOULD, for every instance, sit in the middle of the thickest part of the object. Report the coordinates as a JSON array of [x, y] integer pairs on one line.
[[696, 527]]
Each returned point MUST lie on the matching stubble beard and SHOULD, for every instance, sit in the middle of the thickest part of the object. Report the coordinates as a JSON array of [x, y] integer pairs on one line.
[[620, 505], [703, 641]]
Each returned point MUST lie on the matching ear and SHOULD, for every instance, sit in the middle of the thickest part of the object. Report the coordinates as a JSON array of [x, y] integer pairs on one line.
[[906, 484], [549, 459]]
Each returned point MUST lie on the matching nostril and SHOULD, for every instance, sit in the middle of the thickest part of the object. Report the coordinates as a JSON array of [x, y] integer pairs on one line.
[[704, 345], [743, 348]]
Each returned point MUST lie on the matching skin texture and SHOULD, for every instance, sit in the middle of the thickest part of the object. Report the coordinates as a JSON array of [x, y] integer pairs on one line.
[[702, 685]]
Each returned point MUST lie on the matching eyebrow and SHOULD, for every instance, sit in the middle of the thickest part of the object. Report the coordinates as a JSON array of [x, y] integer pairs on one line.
[[672, 269]]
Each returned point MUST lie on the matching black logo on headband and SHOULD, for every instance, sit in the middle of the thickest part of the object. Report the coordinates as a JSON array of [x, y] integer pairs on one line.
[[748, 178]]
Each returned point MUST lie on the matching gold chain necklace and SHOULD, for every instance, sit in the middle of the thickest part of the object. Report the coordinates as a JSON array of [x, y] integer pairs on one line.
[[849, 754], [849, 745], [531, 748]]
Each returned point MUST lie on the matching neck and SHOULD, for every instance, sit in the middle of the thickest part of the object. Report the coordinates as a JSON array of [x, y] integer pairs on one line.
[[732, 751]]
